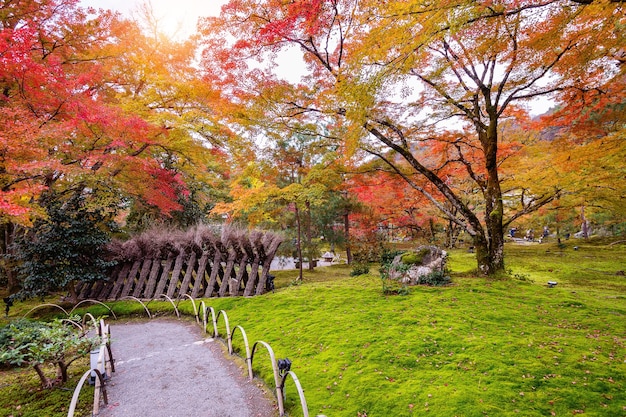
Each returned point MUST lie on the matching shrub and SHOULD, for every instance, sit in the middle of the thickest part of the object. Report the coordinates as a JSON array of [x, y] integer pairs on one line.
[[359, 268], [388, 255], [64, 248], [24, 342], [435, 279]]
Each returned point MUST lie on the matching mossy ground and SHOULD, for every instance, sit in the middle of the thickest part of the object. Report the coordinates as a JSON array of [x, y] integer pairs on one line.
[[495, 347], [21, 394]]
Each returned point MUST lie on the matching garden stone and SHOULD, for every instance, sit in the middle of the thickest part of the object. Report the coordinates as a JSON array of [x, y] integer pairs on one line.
[[410, 268]]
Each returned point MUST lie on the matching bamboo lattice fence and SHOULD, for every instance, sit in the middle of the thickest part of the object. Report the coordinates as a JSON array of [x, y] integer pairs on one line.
[[205, 261]]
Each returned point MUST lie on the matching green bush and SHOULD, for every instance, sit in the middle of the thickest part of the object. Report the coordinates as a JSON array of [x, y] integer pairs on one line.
[[359, 268], [64, 248], [435, 279], [24, 342], [387, 255]]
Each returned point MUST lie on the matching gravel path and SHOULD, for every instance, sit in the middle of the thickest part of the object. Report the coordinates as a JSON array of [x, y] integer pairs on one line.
[[169, 368]]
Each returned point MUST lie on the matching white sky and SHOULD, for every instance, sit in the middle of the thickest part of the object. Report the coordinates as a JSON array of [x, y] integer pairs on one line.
[[178, 17]]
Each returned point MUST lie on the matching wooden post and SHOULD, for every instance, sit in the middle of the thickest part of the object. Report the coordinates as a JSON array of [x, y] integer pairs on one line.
[[270, 251], [130, 280], [165, 274], [117, 287], [178, 266], [230, 264], [215, 269], [254, 269], [152, 280], [202, 263], [191, 264], [143, 275]]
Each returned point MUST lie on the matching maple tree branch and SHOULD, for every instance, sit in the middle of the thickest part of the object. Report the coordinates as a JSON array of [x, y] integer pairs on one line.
[[532, 206], [514, 95], [7, 187], [465, 111], [416, 187], [474, 226], [468, 167], [510, 67]]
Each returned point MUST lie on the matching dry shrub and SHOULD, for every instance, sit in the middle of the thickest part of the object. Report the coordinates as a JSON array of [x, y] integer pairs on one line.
[[160, 242]]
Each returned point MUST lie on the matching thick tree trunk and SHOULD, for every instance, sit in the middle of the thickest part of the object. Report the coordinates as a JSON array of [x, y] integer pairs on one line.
[[494, 208]]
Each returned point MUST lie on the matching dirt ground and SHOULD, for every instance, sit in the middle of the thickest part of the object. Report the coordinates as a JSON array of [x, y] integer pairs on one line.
[[170, 368]]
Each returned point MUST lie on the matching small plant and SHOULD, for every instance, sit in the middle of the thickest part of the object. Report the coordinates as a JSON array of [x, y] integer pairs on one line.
[[435, 279], [359, 268], [24, 342], [393, 286], [388, 255]]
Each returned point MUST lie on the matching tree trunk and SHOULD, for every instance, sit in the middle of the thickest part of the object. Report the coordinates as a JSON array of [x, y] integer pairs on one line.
[[62, 371], [45, 381], [9, 236], [299, 241], [493, 262], [346, 232], [309, 238]]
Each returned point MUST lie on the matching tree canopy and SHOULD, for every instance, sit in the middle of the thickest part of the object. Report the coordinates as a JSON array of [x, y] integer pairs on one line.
[[433, 90], [422, 111]]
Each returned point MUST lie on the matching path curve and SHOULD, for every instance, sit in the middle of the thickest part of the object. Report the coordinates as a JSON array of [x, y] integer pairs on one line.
[[170, 368]]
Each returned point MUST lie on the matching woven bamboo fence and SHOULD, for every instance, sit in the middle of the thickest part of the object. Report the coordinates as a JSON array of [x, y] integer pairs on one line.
[[205, 261]]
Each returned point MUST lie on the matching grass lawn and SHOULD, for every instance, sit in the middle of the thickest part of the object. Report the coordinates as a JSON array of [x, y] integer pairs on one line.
[[479, 347]]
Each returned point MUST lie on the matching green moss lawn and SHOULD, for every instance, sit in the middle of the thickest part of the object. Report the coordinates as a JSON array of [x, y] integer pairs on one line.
[[479, 347]]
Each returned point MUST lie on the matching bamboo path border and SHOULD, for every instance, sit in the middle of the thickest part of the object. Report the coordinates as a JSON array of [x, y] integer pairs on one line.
[[106, 363], [104, 369]]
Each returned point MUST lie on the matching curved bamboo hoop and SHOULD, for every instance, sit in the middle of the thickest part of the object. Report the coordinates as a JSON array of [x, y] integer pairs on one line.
[[145, 306], [279, 393], [45, 305], [214, 320], [94, 322], [227, 323], [168, 299], [96, 302], [75, 323], [247, 345], [96, 395], [195, 308], [204, 317], [305, 409]]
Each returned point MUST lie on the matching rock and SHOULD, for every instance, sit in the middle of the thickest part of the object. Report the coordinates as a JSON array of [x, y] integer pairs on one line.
[[411, 268]]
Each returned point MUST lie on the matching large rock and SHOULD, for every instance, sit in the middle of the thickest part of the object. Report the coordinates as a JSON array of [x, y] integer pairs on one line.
[[417, 267]]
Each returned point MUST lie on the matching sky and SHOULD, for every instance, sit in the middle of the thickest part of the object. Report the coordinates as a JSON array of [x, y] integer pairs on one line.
[[178, 17]]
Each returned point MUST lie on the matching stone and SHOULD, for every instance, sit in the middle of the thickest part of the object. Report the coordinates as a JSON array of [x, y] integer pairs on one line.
[[410, 268]]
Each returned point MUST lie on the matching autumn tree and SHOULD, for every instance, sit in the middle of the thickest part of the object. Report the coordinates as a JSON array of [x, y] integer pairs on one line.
[[427, 87], [75, 118]]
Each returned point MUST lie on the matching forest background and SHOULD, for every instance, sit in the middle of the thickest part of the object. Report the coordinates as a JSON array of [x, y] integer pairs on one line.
[[411, 121]]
